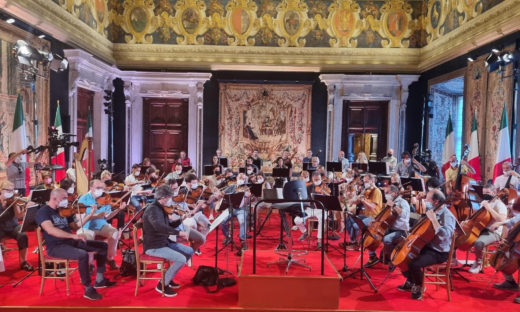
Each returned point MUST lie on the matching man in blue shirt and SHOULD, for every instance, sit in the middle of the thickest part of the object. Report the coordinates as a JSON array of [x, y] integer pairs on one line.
[[98, 224], [437, 250]]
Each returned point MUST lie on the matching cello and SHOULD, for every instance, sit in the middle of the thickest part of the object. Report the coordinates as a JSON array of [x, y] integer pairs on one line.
[[506, 259], [458, 200], [378, 228]]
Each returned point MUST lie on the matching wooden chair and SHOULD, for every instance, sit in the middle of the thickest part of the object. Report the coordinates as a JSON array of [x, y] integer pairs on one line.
[[491, 249], [440, 274], [53, 270], [158, 265]]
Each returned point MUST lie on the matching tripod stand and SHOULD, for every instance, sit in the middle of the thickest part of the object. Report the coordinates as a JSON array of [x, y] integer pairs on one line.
[[362, 272], [233, 200], [28, 225]]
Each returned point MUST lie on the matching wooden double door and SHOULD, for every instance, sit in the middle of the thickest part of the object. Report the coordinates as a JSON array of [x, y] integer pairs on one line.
[[365, 125], [165, 130]]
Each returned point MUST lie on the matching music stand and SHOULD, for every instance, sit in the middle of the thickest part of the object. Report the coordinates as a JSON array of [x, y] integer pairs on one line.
[[40, 196], [186, 169], [293, 190], [383, 181], [233, 200], [361, 270], [417, 184], [28, 225], [223, 162], [331, 203], [378, 167], [242, 170], [305, 166], [131, 222], [208, 170], [334, 166], [360, 167], [280, 172]]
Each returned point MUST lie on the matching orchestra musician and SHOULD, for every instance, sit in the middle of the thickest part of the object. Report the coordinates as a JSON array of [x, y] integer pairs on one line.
[[71, 172], [157, 227], [406, 168], [452, 172], [47, 182], [279, 182], [184, 160], [308, 157], [148, 163], [287, 162], [9, 226], [197, 215], [257, 161], [99, 224], [361, 158], [250, 162], [15, 170], [509, 282], [176, 173], [238, 212], [390, 159], [317, 187], [61, 243], [217, 167], [344, 162], [508, 174], [443, 222], [315, 162], [400, 227], [133, 184]]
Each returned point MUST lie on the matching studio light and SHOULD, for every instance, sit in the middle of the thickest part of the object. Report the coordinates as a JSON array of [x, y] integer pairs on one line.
[[29, 56]]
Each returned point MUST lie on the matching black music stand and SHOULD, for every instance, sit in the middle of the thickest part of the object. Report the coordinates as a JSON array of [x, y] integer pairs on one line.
[[223, 161], [293, 190], [417, 184], [40, 196], [383, 181], [305, 166], [360, 167], [233, 200], [378, 167], [331, 203], [361, 270], [186, 169], [334, 166], [242, 170], [209, 170], [28, 225], [137, 216]]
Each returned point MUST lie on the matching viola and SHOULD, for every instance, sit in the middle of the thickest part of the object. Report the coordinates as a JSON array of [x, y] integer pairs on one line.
[[410, 248], [379, 226], [108, 200], [14, 201], [174, 208], [505, 259], [322, 189]]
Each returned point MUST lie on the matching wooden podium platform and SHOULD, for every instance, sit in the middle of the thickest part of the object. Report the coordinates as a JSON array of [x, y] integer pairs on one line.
[[300, 289]]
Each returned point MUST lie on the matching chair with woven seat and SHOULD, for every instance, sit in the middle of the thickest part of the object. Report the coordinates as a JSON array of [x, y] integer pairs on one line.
[[143, 261], [440, 274], [53, 271]]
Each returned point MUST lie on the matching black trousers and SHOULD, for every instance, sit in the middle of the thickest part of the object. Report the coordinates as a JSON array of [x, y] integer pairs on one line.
[[427, 257], [21, 238], [78, 250]]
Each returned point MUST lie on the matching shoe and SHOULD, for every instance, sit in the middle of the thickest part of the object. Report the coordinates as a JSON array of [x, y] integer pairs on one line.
[[104, 283], [226, 241], [294, 228], [303, 236], [416, 292], [407, 286], [26, 266], [334, 236], [248, 236], [391, 268], [168, 292], [112, 265], [508, 285], [243, 245], [211, 217], [318, 246], [174, 285], [371, 262], [475, 268], [517, 300], [92, 294], [188, 263], [198, 252]]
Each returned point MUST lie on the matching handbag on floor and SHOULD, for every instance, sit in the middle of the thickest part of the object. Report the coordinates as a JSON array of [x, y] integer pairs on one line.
[[208, 276]]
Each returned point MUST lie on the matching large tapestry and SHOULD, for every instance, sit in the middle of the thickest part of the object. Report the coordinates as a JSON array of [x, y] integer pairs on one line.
[[267, 118]]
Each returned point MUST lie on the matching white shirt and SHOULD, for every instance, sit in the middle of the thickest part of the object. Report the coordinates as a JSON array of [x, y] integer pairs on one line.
[[500, 181], [499, 208], [131, 181]]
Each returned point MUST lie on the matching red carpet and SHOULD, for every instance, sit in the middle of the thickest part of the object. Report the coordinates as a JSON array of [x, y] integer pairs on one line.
[[477, 295]]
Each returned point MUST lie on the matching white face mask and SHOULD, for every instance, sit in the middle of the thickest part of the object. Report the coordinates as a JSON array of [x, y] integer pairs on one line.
[[306, 179], [194, 185], [507, 172], [137, 173], [178, 171], [389, 197], [8, 195], [317, 182], [260, 180], [407, 161], [70, 190], [367, 185], [48, 181], [240, 182], [454, 164], [169, 203], [63, 203], [98, 193], [349, 180], [249, 171]]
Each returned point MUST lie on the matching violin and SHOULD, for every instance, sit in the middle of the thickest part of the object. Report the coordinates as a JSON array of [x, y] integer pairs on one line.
[[72, 209], [322, 189], [108, 200], [174, 208], [14, 201]]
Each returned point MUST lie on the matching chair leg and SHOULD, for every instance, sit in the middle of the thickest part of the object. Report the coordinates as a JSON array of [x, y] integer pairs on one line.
[[43, 278], [138, 278], [67, 276]]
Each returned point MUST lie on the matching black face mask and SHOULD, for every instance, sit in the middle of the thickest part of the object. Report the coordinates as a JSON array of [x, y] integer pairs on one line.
[[487, 197], [389, 155], [396, 184]]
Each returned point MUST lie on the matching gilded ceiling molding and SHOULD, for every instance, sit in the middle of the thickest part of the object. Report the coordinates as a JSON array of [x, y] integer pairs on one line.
[[291, 23], [53, 19], [501, 20], [190, 21], [141, 56], [138, 21], [343, 23], [241, 22], [396, 16]]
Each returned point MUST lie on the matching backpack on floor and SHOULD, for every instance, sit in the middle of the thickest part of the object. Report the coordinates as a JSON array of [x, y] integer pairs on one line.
[[208, 276], [129, 263]]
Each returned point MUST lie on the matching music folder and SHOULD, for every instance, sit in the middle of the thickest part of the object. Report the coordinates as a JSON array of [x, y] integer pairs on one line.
[[280, 172], [29, 222], [417, 184], [378, 167], [360, 167], [223, 161], [40, 196], [334, 166]]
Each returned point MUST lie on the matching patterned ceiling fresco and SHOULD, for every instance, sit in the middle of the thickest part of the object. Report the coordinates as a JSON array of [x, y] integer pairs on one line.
[[277, 23]]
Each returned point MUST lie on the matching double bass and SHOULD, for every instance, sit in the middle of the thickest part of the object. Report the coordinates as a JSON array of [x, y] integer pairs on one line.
[[459, 205], [506, 259]]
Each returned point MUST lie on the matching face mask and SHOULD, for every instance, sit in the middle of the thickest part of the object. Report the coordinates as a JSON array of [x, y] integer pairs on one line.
[[8, 195], [169, 203], [153, 179], [429, 206], [240, 182], [70, 190], [388, 154], [454, 164], [389, 197], [507, 173], [487, 197], [306, 180], [179, 171], [194, 185], [349, 180], [407, 161], [63, 203], [98, 193], [249, 172], [48, 181], [260, 180], [137, 173], [317, 182], [367, 185], [396, 184]]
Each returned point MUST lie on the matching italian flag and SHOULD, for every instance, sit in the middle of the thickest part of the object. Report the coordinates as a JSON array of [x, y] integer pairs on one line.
[[474, 157], [59, 159], [89, 134], [18, 139], [449, 146], [504, 152]]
